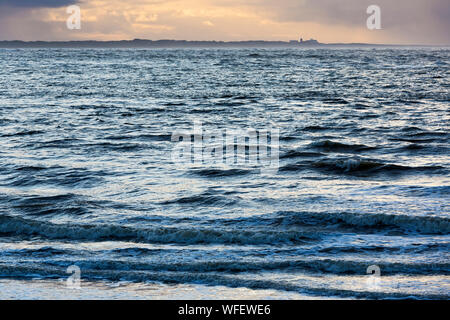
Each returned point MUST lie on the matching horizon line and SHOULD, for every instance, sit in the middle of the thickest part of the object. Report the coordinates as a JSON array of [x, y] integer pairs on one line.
[[310, 42]]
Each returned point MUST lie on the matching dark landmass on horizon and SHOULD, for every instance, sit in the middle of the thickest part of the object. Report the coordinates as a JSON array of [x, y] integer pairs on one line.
[[140, 43]]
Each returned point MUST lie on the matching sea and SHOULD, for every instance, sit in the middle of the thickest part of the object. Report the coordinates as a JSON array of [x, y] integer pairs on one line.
[[95, 202]]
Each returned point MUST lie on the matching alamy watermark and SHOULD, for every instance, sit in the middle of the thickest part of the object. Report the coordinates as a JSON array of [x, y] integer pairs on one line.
[[374, 279], [232, 147], [73, 22], [374, 20], [74, 281]]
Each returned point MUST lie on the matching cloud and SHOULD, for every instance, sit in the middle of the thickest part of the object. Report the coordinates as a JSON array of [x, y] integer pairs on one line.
[[346, 12], [415, 20], [21, 19], [403, 21], [37, 3]]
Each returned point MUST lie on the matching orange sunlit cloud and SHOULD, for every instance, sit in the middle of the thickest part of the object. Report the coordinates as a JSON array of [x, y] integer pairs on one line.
[[325, 20]]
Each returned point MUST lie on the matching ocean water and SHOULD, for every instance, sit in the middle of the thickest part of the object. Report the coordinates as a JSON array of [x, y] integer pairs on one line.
[[87, 176]]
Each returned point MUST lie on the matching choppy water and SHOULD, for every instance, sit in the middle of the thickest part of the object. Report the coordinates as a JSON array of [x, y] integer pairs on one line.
[[86, 176]]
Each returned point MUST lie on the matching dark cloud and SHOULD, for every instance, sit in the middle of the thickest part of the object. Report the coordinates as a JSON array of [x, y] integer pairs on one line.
[[37, 3], [17, 21]]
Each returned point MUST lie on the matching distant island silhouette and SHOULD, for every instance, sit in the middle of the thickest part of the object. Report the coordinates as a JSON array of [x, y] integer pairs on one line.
[[143, 43]]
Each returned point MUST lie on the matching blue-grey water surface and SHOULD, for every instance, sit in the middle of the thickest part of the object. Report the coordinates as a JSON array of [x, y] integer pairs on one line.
[[86, 176]]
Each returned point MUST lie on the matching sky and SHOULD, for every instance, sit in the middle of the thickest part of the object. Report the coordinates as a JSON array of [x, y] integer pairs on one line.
[[402, 21]]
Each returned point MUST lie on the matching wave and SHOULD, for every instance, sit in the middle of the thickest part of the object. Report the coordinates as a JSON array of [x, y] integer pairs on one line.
[[315, 128], [155, 137], [26, 176], [212, 279], [428, 134], [145, 137], [357, 165], [22, 133], [202, 199], [299, 154], [421, 224], [430, 192], [328, 145], [64, 204], [17, 226], [322, 265], [418, 139], [56, 143], [119, 147], [335, 101], [412, 147], [360, 166], [215, 172]]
